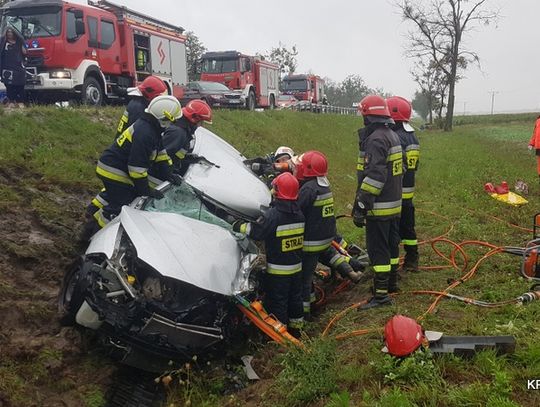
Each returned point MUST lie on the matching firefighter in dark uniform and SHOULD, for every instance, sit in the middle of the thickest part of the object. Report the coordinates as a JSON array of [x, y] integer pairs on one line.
[[378, 198], [400, 111], [123, 167], [178, 138], [150, 88], [142, 95], [282, 160], [282, 229], [317, 204]]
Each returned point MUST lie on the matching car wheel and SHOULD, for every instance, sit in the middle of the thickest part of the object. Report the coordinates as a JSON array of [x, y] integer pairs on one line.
[[250, 104], [71, 294], [92, 93]]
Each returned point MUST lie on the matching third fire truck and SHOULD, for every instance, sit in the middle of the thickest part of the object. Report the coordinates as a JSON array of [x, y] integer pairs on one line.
[[257, 79]]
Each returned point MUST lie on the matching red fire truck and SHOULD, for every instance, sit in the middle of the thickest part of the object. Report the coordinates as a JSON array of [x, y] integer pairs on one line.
[[257, 79], [94, 52], [304, 87]]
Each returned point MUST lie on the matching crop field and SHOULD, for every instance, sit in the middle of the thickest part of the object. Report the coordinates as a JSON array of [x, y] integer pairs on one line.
[[47, 159]]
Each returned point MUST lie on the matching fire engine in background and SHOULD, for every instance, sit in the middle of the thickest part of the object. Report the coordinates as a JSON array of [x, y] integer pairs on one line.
[[304, 87], [257, 79], [94, 52]]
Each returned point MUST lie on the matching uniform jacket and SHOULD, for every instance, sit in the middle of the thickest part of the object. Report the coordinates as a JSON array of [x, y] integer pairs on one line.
[[282, 229], [411, 151], [380, 171], [317, 203], [134, 110], [535, 139], [12, 71], [128, 159], [177, 140]]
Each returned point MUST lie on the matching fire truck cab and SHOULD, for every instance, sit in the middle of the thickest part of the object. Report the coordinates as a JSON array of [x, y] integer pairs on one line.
[[93, 52], [304, 87], [257, 79]]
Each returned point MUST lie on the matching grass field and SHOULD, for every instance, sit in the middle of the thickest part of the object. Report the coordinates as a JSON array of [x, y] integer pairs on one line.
[[54, 151]]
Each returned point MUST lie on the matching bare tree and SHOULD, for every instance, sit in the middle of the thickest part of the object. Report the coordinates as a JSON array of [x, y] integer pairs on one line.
[[440, 27]]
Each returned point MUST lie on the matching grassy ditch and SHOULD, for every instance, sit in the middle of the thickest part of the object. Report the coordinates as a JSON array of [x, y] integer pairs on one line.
[[47, 159]]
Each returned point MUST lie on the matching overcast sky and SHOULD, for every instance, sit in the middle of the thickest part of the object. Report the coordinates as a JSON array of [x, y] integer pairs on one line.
[[367, 37]]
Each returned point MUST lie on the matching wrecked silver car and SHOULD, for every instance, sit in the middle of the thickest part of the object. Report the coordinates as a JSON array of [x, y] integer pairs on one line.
[[158, 282]]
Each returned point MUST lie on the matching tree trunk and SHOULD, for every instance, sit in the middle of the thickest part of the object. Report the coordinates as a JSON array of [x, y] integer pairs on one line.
[[430, 103], [452, 85]]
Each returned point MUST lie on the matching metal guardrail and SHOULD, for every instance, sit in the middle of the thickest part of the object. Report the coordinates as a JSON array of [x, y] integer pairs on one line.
[[324, 109]]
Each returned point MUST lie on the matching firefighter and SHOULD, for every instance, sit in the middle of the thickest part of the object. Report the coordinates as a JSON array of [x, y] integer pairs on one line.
[[269, 166], [378, 198], [534, 144], [282, 229], [150, 88], [123, 167], [178, 138], [283, 154], [400, 111], [317, 204]]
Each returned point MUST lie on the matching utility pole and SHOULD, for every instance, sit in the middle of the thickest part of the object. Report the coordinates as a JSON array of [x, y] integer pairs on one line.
[[493, 92], [464, 108]]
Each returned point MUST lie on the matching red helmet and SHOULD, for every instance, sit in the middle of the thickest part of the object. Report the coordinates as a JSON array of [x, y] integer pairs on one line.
[[402, 335], [314, 164], [286, 187], [400, 108], [198, 111], [373, 105], [152, 87]]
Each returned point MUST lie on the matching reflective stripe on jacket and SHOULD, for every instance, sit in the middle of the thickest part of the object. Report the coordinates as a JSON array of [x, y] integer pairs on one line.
[[128, 159], [317, 203], [282, 230], [411, 148], [134, 110], [380, 179]]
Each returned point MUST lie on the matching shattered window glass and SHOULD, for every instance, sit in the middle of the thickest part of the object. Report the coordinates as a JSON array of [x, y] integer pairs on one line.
[[183, 200]]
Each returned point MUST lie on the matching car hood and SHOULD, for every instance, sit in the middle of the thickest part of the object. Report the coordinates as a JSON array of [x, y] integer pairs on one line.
[[198, 253], [228, 183]]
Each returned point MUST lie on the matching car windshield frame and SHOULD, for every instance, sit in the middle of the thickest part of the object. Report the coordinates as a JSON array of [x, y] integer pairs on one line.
[[292, 84], [40, 22], [186, 201], [220, 65], [213, 87]]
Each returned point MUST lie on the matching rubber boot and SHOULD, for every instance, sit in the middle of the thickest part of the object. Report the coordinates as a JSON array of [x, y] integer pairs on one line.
[[295, 332], [346, 271], [393, 286], [410, 262], [381, 297]]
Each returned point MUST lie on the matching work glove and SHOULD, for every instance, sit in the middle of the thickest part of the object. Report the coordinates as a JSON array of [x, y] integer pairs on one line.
[[359, 214], [154, 193], [530, 147], [237, 224], [175, 179]]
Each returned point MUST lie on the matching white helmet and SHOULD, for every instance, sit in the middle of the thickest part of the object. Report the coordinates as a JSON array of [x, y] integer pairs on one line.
[[283, 150], [166, 109]]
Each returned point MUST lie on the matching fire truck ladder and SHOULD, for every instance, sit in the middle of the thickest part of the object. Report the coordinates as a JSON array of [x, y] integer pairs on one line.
[[122, 12]]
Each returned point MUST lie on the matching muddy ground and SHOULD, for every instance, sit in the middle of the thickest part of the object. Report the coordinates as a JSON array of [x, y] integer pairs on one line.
[[41, 362]]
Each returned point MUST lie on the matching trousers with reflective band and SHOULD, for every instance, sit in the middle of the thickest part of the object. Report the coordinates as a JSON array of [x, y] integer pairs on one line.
[[382, 239], [407, 229]]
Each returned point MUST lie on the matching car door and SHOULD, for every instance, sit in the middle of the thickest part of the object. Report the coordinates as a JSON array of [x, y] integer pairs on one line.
[[109, 47], [193, 91]]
